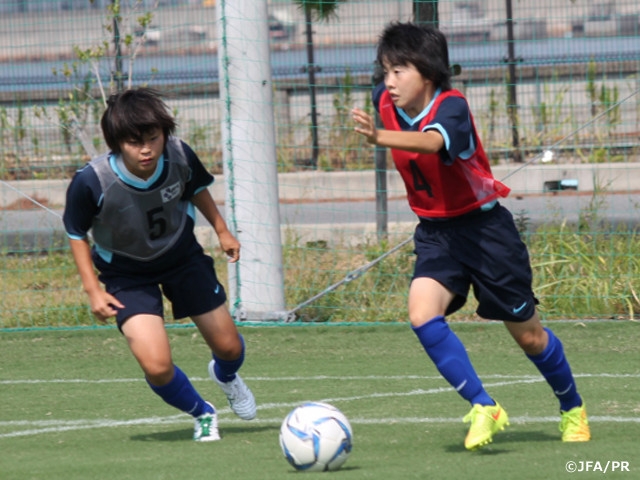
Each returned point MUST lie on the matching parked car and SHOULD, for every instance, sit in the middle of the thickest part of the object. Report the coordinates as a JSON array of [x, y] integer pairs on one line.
[[468, 23], [603, 20], [153, 34], [278, 30]]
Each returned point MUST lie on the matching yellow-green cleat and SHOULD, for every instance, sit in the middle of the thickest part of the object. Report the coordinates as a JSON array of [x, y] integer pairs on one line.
[[485, 420], [574, 425]]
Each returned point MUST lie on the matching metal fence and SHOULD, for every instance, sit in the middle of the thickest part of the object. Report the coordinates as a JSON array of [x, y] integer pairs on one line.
[[555, 75]]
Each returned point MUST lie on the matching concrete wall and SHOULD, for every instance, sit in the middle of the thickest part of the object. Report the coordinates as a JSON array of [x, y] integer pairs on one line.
[[338, 186]]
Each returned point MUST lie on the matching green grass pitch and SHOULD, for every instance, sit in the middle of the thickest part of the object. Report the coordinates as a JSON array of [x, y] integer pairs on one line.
[[74, 405]]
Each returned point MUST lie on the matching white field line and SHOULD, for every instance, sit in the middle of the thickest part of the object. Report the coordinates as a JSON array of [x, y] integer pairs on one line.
[[313, 378], [56, 426]]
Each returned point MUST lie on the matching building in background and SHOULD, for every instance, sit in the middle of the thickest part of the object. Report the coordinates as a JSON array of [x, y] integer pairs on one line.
[[20, 6]]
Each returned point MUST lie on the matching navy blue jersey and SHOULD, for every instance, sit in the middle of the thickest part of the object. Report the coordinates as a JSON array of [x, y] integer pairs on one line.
[[453, 121], [85, 199]]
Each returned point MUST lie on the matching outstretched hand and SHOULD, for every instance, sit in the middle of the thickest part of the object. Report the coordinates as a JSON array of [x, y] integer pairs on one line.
[[365, 125]]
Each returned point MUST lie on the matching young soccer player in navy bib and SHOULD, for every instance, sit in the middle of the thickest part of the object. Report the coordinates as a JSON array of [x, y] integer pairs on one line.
[[464, 238], [138, 201]]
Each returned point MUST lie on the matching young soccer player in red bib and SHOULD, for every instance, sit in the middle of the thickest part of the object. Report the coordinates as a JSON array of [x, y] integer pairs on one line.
[[464, 238]]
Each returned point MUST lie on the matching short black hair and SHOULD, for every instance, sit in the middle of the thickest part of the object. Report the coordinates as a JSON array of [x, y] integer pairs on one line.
[[422, 46], [132, 113]]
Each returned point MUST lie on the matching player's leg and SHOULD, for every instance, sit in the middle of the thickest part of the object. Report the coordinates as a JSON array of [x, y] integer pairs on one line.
[[194, 291], [228, 349], [149, 343], [429, 299], [546, 352], [504, 291], [439, 286]]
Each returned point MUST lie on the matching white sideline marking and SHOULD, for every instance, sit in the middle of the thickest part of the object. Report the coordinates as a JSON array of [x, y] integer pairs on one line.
[[56, 426], [314, 378]]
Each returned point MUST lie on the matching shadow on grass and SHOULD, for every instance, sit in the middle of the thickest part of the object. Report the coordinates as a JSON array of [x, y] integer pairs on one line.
[[345, 468], [186, 434], [502, 440]]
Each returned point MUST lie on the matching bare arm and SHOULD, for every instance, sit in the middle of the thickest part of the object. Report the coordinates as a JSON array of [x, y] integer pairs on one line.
[[103, 305], [207, 206], [430, 141]]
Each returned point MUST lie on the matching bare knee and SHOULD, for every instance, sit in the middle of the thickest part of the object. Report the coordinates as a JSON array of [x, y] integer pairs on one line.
[[220, 333], [423, 313], [428, 299], [227, 347], [157, 371], [533, 342], [417, 319]]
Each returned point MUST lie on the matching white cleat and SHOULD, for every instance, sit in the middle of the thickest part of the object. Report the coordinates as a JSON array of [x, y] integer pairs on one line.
[[206, 427], [241, 400]]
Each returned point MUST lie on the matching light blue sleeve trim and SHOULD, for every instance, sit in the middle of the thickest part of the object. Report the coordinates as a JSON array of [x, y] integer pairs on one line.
[[76, 237], [443, 132], [201, 189], [466, 155], [204, 187]]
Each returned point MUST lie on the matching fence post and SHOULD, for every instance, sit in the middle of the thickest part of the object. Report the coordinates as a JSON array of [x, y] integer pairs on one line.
[[512, 101], [382, 207]]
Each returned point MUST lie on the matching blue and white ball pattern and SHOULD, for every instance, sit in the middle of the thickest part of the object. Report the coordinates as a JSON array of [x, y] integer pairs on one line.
[[316, 437]]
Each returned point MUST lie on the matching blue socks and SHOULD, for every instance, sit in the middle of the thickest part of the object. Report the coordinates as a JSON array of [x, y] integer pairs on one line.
[[450, 358], [179, 393], [554, 367], [225, 370]]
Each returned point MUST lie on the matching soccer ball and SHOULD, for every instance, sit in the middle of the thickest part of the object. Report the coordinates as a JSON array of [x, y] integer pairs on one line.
[[316, 437]]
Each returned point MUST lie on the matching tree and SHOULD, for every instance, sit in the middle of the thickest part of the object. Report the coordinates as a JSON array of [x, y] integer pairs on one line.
[[424, 11], [80, 105], [318, 10]]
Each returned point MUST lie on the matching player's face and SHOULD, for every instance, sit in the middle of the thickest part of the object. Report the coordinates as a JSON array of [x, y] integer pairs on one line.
[[409, 90], [141, 156]]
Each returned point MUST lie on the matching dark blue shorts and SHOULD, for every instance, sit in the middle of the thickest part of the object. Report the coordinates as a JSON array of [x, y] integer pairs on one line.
[[482, 250], [191, 285]]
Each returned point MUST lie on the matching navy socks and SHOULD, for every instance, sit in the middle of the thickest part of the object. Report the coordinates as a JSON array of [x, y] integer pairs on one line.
[[179, 393], [554, 367], [225, 370], [450, 358]]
